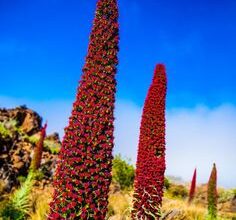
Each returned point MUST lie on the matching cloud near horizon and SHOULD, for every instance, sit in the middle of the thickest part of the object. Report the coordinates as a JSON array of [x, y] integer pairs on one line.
[[196, 137]]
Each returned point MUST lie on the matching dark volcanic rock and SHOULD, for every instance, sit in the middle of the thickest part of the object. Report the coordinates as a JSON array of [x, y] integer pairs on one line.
[[27, 120]]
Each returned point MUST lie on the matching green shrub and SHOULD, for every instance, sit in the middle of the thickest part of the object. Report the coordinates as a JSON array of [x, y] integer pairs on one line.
[[122, 172], [49, 145], [52, 146], [11, 213], [11, 124], [33, 139], [4, 131], [226, 195], [177, 191], [167, 183]]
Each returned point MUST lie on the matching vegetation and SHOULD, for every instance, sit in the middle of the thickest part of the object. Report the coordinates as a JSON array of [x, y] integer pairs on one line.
[[193, 187], [166, 183], [212, 194], [226, 195], [120, 204], [149, 179], [4, 132], [82, 185], [18, 206], [51, 146], [122, 172], [83, 175], [177, 191], [38, 150]]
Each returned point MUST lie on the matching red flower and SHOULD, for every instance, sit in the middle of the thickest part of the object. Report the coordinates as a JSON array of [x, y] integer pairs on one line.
[[85, 158], [38, 151], [212, 193], [193, 186], [149, 179]]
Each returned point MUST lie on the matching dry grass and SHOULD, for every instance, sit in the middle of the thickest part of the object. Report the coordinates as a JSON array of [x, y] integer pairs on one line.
[[119, 206], [185, 211], [41, 201], [191, 212]]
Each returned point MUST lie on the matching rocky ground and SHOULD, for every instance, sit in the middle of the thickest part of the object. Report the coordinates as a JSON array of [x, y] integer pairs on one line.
[[19, 131]]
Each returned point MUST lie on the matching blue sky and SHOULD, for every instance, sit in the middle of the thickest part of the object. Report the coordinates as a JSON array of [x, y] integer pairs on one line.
[[43, 44], [46, 41]]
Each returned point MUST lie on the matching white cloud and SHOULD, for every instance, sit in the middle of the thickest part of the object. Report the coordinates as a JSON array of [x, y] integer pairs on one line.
[[195, 137], [198, 138]]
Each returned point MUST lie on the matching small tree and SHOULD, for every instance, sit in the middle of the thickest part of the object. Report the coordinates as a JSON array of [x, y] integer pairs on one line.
[[150, 168], [192, 187], [122, 172], [212, 194]]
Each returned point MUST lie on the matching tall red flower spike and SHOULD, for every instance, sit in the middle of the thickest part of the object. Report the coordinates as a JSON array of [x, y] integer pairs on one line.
[[212, 194], [150, 167], [83, 174], [193, 187], [38, 151]]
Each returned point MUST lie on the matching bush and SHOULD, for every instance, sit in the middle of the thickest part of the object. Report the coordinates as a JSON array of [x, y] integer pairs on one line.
[[13, 213], [4, 132], [52, 146], [166, 183], [122, 172], [226, 195], [177, 191]]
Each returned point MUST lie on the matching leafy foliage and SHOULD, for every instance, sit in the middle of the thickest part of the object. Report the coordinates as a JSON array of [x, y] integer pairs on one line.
[[18, 206], [122, 172], [52, 146], [32, 139], [49, 145], [167, 183], [177, 191], [4, 132], [226, 195]]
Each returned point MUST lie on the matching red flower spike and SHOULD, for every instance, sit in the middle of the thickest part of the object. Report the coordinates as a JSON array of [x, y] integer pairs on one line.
[[193, 187], [212, 194], [38, 150], [150, 167], [83, 173]]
